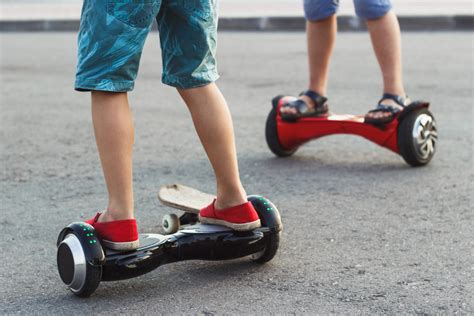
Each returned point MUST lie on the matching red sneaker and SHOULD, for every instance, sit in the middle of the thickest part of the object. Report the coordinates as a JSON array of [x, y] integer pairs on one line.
[[117, 235], [241, 217]]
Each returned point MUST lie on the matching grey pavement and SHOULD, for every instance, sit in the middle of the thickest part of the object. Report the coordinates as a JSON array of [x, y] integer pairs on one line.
[[363, 232]]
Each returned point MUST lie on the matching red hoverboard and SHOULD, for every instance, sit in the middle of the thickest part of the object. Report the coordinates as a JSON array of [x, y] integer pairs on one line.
[[412, 134]]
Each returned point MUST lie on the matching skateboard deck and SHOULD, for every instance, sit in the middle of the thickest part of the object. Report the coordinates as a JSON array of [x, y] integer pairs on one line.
[[184, 198]]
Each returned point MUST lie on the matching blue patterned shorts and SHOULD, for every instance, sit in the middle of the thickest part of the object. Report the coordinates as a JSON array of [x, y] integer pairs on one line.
[[112, 34], [316, 10]]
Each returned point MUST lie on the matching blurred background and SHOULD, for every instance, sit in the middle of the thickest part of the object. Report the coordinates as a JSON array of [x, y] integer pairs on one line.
[[23, 10]]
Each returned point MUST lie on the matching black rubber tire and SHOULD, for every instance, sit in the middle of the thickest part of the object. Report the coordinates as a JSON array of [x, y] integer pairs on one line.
[[270, 218], [405, 143], [271, 135], [271, 249], [93, 277]]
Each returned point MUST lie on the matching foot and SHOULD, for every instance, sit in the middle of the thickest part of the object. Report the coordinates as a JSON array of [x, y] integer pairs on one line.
[[309, 104], [387, 109], [292, 110], [121, 235], [242, 217]]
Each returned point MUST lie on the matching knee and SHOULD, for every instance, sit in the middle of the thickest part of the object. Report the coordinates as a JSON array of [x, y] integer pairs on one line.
[[372, 9], [317, 10]]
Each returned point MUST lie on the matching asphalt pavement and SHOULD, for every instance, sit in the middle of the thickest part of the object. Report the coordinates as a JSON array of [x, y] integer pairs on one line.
[[363, 231]]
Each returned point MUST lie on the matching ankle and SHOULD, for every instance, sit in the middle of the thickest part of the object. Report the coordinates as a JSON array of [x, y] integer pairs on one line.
[[224, 203], [395, 91], [110, 216], [230, 197], [318, 88], [116, 213]]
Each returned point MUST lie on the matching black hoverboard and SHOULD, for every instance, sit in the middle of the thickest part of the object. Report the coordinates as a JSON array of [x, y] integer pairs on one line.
[[83, 262]]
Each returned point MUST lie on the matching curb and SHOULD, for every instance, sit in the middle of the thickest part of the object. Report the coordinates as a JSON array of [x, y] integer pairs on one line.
[[345, 23]]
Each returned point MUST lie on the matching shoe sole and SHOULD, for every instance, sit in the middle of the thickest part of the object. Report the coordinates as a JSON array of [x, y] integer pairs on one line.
[[121, 246], [238, 227]]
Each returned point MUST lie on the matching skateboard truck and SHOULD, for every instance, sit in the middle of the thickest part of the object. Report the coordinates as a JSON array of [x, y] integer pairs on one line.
[[412, 134], [83, 262]]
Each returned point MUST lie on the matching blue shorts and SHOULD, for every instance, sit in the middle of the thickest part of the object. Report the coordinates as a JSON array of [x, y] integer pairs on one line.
[[112, 34], [316, 10]]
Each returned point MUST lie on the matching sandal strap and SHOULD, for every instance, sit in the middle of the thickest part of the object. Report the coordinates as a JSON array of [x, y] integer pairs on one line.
[[388, 108], [320, 104], [318, 99], [393, 110], [299, 105], [397, 98], [385, 108]]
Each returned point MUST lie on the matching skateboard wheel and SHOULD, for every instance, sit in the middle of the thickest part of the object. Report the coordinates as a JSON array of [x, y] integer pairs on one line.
[[170, 223]]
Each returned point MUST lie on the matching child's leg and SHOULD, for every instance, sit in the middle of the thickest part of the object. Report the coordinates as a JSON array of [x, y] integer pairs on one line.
[[321, 36], [321, 29], [113, 127], [385, 36], [217, 136], [188, 34], [110, 43]]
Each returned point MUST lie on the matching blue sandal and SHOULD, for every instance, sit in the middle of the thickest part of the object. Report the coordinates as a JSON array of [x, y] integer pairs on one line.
[[321, 107], [394, 111]]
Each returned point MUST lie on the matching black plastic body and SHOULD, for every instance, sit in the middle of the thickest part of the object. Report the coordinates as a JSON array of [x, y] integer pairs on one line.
[[195, 242], [183, 246]]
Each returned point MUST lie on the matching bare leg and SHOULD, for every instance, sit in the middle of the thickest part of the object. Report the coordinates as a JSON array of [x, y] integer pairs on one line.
[[385, 36], [213, 124], [321, 36], [114, 133]]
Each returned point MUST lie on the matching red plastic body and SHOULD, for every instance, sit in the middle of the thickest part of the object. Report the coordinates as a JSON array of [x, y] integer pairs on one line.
[[294, 134]]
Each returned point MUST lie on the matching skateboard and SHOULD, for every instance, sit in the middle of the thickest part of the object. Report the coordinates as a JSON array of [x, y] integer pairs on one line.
[[183, 198]]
